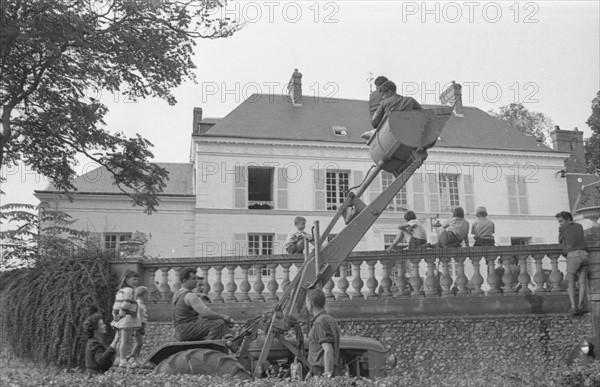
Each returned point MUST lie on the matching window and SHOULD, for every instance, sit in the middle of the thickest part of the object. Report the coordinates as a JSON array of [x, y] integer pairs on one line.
[[260, 188], [517, 196], [260, 244], [340, 130], [400, 202], [111, 240], [520, 241], [448, 191], [345, 266], [336, 184]]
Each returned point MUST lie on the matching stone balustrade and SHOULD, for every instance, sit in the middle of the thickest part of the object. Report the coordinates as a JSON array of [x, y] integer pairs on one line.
[[460, 272]]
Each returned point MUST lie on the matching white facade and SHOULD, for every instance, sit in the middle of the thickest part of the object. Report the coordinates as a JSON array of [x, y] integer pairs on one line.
[[222, 224]]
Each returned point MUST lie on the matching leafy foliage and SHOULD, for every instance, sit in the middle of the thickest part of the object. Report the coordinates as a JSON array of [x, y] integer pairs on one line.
[[528, 122], [44, 306], [54, 54], [575, 377], [592, 146], [28, 231]]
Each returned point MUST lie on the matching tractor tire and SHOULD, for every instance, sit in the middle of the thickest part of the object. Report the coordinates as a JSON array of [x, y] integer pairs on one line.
[[203, 361]]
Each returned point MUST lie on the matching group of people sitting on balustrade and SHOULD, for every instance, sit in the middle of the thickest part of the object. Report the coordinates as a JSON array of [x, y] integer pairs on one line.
[[455, 231]]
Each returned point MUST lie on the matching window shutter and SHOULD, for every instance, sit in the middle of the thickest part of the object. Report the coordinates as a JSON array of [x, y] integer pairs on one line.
[[240, 244], [375, 188], [434, 197], [240, 188], [319, 175], [418, 193], [469, 198], [513, 203], [282, 189], [522, 191]]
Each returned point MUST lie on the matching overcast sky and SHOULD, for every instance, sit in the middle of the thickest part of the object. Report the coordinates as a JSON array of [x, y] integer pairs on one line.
[[544, 54]]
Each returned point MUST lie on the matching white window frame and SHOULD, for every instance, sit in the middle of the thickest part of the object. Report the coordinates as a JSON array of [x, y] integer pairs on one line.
[[114, 244], [449, 191], [336, 188]]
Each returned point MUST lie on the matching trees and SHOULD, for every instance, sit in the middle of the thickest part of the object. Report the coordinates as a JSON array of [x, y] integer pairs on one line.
[[54, 52], [592, 146], [30, 231], [528, 122]]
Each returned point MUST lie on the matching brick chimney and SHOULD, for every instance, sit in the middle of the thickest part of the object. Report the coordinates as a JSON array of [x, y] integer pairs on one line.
[[295, 88], [570, 141], [453, 96], [200, 127]]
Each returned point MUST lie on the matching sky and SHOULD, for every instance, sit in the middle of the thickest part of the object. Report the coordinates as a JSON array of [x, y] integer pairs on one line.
[[544, 54]]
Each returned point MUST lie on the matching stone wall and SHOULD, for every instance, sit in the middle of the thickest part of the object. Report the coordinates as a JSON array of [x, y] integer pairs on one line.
[[504, 344]]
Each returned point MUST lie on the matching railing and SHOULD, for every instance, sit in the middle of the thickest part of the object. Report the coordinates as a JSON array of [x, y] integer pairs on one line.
[[460, 272]]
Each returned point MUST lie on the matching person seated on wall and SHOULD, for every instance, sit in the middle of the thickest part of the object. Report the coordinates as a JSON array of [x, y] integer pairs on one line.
[[455, 230], [192, 319]]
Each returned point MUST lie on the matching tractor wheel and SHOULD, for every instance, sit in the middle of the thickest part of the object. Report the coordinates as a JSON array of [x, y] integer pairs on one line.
[[203, 361]]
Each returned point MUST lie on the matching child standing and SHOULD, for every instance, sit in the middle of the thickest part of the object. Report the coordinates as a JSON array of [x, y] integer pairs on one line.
[[483, 229], [295, 240], [125, 311], [141, 297]]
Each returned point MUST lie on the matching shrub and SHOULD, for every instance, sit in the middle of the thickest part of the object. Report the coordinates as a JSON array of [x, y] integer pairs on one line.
[[44, 305]]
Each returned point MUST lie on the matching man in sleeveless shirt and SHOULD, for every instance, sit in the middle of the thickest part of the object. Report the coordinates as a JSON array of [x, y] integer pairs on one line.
[[192, 319]]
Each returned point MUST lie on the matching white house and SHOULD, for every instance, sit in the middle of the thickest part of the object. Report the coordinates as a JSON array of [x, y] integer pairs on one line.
[[270, 160]]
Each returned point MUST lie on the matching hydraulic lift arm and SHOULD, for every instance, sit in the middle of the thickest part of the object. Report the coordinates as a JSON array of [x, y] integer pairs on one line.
[[398, 147]]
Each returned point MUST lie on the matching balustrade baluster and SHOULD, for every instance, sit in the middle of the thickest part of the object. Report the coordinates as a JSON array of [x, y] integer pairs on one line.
[[343, 283], [386, 282], [245, 284], [231, 287], [259, 286], [272, 285], [556, 276], [492, 278], [461, 278], [204, 270], [539, 278], [400, 281], [218, 286], [357, 282], [477, 279], [430, 282], [372, 281], [508, 278], [328, 290], [446, 279], [177, 281], [164, 289], [286, 275], [524, 277], [415, 279]]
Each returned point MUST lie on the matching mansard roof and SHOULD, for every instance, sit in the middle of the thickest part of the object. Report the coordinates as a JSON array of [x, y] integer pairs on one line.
[[264, 116], [100, 181]]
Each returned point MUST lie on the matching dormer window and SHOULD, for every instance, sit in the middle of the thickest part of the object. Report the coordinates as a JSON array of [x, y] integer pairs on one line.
[[340, 130]]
